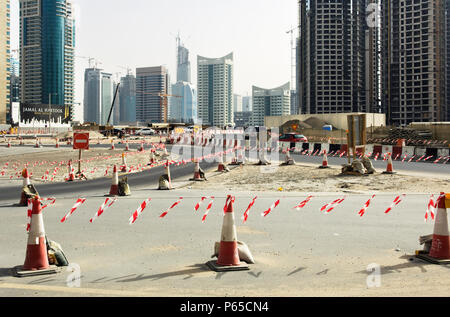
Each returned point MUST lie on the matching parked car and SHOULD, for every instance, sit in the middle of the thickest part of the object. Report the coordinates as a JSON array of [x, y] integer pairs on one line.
[[145, 131], [115, 132], [293, 138]]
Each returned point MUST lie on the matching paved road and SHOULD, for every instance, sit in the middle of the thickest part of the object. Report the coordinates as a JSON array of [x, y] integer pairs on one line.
[[297, 253]]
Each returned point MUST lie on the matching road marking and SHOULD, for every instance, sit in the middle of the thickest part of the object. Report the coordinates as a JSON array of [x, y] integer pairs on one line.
[[46, 288]]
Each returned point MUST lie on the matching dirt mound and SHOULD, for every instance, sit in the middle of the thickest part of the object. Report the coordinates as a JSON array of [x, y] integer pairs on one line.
[[289, 126], [316, 123]]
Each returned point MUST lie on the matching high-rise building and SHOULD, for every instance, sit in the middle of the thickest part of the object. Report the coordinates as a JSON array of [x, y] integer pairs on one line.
[[128, 99], [237, 103], [270, 102], [152, 83], [247, 104], [183, 63], [215, 90], [98, 96], [331, 56], [183, 103], [5, 60], [183, 106], [447, 37], [47, 42], [414, 59]]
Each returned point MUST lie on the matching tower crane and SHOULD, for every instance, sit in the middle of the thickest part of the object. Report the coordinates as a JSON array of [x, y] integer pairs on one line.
[[163, 102], [90, 60]]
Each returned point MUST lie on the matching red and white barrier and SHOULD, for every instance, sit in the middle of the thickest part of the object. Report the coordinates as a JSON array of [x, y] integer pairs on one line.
[[78, 203], [103, 208], [171, 207], [245, 217], [367, 205], [303, 203], [139, 211], [396, 202], [268, 211]]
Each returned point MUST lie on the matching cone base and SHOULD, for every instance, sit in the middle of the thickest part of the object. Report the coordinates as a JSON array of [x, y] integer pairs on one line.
[[114, 191], [213, 265], [19, 271], [389, 173], [323, 167], [426, 257]]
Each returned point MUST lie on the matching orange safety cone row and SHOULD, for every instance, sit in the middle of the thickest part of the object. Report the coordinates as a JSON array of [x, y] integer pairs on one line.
[[228, 257], [114, 191], [440, 247], [325, 160], [390, 166]]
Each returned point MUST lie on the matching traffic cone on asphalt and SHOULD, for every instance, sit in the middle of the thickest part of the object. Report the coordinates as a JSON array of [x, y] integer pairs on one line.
[[389, 168], [27, 188], [36, 259], [112, 145], [9, 144], [165, 182], [222, 167], [141, 148], [228, 257], [325, 160], [127, 148], [288, 160], [37, 145], [199, 175], [57, 143], [440, 247], [114, 191], [21, 141]]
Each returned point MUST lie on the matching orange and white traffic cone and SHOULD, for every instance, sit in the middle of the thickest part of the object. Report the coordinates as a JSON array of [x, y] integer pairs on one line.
[[390, 166], [165, 181], [112, 145], [37, 145], [222, 167], [124, 166], [21, 141], [228, 257], [127, 147], [440, 247], [141, 148], [26, 183], [325, 160], [36, 259], [198, 177], [57, 143], [114, 191], [71, 177], [9, 144]]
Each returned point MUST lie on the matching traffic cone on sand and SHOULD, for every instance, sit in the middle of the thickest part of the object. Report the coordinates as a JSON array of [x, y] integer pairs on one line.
[[199, 175], [36, 259], [228, 257], [325, 161], [390, 166], [440, 247], [71, 177]]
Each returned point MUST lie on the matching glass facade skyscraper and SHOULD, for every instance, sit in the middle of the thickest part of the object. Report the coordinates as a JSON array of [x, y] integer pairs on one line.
[[128, 99], [5, 70], [98, 96], [47, 41]]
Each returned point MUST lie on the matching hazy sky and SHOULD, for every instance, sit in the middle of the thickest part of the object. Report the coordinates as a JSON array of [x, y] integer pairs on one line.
[[141, 33]]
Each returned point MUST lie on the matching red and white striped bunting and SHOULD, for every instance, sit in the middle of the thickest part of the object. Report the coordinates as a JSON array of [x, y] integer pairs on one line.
[[430, 208], [171, 207], [303, 203], [208, 209], [330, 206], [397, 201], [363, 210], [103, 208], [138, 211], [245, 217], [78, 203], [268, 211]]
